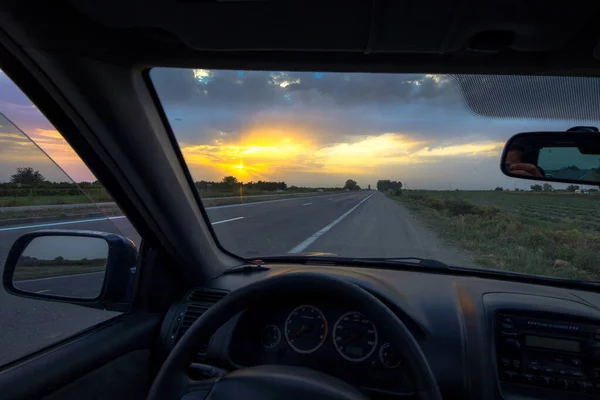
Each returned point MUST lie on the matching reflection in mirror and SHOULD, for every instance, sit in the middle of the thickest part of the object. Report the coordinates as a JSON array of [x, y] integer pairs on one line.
[[571, 157], [66, 266]]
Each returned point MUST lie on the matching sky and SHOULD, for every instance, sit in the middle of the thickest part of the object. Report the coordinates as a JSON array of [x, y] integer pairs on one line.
[[67, 247], [304, 128]]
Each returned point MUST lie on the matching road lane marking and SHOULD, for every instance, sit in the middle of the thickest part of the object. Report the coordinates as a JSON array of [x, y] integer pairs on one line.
[[43, 291], [226, 220], [15, 228], [80, 221], [311, 239], [307, 204], [255, 203], [59, 277]]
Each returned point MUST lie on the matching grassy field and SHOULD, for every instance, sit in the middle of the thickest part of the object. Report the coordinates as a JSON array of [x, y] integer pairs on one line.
[[551, 234], [10, 214], [42, 200]]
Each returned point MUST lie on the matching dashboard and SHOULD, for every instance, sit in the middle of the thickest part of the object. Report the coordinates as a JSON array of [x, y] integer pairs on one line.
[[331, 338], [483, 338]]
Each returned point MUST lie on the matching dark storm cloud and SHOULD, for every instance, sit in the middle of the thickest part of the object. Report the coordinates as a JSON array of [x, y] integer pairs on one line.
[[217, 106], [329, 105]]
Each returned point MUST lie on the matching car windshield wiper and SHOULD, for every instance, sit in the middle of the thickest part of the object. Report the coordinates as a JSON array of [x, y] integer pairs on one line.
[[357, 261]]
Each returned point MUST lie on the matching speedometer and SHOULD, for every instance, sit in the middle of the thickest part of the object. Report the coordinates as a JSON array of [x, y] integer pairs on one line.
[[354, 336], [305, 329]]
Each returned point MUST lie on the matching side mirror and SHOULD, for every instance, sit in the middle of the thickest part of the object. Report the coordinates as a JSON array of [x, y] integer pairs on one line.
[[88, 268], [568, 157]]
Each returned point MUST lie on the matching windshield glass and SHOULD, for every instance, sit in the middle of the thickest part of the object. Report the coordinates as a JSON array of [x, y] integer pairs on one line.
[[374, 165]]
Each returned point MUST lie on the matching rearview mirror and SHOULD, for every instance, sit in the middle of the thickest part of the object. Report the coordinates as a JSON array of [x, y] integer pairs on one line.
[[89, 268], [569, 157]]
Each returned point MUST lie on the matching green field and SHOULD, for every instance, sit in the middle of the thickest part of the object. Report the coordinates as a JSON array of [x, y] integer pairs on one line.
[[551, 234]]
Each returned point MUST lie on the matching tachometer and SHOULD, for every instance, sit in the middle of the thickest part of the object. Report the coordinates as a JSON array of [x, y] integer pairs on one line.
[[305, 329], [270, 337], [354, 336]]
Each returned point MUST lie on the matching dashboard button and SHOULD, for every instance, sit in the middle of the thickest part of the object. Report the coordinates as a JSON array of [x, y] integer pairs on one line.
[[584, 386], [576, 361], [505, 362], [510, 375], [564, 383], [529, 378], [562, 372], [548, 370], [507, 326], [576, 373], [516, 363], [545, 380], [533, 366]]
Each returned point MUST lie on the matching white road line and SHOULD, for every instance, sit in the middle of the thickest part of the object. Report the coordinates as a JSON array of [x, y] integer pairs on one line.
[[306, 204], [59, 277], [15, 228], [256, 203], [226, 220], [43, 291], [311, 239]]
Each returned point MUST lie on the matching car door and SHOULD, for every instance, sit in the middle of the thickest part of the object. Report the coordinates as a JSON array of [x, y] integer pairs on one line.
[[58, 338]]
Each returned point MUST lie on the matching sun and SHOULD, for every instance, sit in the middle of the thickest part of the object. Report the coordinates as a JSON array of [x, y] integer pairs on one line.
[[239, 166]]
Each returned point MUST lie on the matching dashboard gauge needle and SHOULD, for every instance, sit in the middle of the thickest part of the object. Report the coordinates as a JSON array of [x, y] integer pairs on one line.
[[352, 337], [303, 329]]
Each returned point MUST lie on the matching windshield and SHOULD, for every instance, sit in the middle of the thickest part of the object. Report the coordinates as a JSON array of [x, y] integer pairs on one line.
[[374, 165]]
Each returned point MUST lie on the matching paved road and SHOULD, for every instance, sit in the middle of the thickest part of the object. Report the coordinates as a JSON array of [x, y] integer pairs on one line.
[[362, 224]]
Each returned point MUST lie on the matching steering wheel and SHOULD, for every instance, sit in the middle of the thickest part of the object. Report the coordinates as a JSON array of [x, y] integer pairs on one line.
[[280, 381]]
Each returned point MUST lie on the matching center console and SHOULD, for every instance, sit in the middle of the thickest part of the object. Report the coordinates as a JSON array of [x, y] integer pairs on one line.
[[550, 353]]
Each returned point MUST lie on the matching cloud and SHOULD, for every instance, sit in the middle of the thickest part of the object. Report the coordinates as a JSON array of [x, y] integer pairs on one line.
[[16, 148]]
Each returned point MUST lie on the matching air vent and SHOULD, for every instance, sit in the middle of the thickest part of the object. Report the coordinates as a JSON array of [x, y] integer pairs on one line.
[[206, 295], [200, 301]]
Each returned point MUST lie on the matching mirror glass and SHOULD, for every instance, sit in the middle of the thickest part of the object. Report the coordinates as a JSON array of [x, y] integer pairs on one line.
[[568, 157], [66, 266]]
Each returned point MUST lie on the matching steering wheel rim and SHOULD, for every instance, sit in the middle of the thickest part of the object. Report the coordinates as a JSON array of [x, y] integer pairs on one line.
[[172, 379]]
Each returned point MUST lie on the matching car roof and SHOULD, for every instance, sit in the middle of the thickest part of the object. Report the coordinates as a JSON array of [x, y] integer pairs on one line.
[[498, 36]]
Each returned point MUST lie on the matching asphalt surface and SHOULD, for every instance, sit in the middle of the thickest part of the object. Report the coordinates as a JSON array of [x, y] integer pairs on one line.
[[358, 224]]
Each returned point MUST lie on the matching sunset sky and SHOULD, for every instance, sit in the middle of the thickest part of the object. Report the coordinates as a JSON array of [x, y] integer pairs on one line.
[[307, 129]]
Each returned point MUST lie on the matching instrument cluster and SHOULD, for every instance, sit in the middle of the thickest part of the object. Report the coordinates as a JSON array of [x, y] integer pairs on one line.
[[321, 337]]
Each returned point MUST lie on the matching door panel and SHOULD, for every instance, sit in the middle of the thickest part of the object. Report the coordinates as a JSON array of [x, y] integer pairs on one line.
[[66, 369]]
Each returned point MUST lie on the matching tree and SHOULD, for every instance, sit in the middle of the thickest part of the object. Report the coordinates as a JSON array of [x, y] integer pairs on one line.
[[351, 185], [536, 188], [547, 187], [572, 188], [387, 185], [498, 189], [27, 176], [229, 181]]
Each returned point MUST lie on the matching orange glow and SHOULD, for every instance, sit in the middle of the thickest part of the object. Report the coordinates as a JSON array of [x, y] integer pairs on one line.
[[278, 153]]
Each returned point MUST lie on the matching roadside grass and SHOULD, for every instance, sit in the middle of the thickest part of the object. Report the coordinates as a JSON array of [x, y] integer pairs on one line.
[[501, 234], [110, 210], [42, 200], [24, 273]]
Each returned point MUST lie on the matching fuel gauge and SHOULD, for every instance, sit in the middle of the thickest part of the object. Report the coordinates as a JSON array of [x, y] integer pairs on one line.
[[388, 356]]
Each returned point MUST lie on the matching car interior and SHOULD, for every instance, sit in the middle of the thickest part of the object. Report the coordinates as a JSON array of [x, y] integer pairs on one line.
[[200, 322]]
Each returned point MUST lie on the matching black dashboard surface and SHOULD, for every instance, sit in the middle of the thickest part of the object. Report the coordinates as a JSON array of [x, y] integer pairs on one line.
[[450, 316]]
